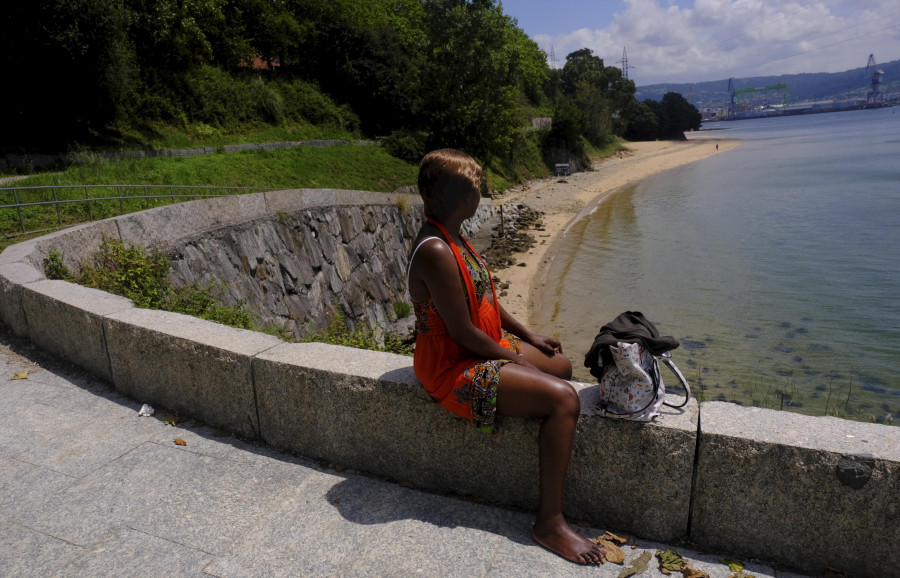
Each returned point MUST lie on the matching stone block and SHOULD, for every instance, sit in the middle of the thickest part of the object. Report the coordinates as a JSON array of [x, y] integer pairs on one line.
[[20, 252], [286, 201], [366, 410], [803, 492], [191, 366], [76, 245], [224, 211], [162, 226], [67, 320], [12, 277], [630, 475], [293, 200]]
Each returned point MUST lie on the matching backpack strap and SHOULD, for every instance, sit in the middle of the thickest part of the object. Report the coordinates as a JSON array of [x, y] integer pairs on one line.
[[666, 358]]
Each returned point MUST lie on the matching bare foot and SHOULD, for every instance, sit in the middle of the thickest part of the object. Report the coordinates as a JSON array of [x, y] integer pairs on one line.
[[560, 539]]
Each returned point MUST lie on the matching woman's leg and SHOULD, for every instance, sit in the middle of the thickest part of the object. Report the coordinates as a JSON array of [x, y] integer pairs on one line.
[[525, 392], [557, 365]]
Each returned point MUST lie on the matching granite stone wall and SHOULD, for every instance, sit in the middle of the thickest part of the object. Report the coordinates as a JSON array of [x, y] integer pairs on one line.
[[296, 269]]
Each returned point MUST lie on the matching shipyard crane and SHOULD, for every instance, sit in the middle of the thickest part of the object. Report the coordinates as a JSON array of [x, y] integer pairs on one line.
[[875, 96], [736, 107]]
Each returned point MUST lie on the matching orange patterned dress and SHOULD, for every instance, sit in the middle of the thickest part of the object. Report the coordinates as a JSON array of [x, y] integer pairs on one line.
[[452, 375]]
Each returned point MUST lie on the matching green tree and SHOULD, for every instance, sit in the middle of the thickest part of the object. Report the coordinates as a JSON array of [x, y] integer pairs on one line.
[[600, 93], [680, 115], [581, 66], [640, 120], [477, 64]]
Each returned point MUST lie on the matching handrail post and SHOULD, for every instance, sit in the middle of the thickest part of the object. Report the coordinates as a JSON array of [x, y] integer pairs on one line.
[[121, 204], [146, 197], [19, 209], [87, 195], [172, 192], [56, 204]]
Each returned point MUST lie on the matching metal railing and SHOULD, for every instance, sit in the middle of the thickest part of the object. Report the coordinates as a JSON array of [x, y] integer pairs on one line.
[[176, 193]]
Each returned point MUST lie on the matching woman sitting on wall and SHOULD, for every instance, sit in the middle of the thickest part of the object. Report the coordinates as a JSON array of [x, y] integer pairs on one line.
[[478, 361]]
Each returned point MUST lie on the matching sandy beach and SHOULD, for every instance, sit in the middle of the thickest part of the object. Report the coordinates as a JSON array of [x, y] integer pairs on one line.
[[562, 200]]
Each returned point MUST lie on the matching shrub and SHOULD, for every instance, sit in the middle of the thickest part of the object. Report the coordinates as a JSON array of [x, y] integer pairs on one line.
[[338, 333], [405, 144], [54, 268], [215, 97], [304, 101], [268, 101], [129, 271], [142, 275], [402, 309]]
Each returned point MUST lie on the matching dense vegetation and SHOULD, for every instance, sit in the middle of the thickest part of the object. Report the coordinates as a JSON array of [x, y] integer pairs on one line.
[[416, 73]]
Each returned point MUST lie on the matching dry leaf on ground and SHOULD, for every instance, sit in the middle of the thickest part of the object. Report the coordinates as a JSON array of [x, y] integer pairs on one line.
[[689, 572], [20, 375], [172, 419], [733, 565], [741, 574], [180, 442], [637, 566], [610, 537], [613, 553]]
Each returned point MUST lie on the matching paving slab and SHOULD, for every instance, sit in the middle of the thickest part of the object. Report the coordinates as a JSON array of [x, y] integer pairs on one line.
[[358, 526], [127, 552], [21, 394], [24, 487], [211, 503], [24, 552]]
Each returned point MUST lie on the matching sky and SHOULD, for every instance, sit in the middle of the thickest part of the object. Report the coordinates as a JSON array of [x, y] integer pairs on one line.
[[682, 41]]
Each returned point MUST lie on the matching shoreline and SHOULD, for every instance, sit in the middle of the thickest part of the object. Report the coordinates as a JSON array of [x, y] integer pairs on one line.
[[562, 200]]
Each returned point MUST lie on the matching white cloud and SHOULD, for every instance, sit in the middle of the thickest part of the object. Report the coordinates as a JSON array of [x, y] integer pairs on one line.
[[717, 39]]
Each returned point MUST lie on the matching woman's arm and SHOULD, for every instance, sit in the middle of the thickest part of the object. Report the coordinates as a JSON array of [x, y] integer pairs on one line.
[[436, 268], [548, 345]]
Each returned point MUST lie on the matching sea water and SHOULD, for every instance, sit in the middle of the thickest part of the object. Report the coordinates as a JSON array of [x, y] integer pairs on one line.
[[775, 264]]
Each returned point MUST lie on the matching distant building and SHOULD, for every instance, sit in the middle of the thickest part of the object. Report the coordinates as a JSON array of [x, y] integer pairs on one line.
[[260, 63]]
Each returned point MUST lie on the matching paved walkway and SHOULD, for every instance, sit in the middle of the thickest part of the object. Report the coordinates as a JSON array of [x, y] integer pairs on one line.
[[89, 488]]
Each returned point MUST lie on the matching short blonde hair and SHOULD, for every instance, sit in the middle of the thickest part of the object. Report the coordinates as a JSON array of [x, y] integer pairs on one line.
[[446, 176]]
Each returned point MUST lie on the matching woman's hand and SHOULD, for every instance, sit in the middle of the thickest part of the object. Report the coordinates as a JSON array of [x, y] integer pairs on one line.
[[520, 360], [549, 345]]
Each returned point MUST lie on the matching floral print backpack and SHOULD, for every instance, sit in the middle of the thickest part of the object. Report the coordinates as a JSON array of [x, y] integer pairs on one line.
[[632, 388]]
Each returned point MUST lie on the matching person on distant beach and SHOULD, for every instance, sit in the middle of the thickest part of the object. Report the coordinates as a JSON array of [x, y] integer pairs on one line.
[[474, 358]]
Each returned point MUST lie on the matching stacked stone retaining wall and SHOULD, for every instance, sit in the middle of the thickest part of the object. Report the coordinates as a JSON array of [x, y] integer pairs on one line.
[[802, 492]]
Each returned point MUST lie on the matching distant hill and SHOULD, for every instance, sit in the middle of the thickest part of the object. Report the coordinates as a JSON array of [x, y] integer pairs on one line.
[[817, 86]]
